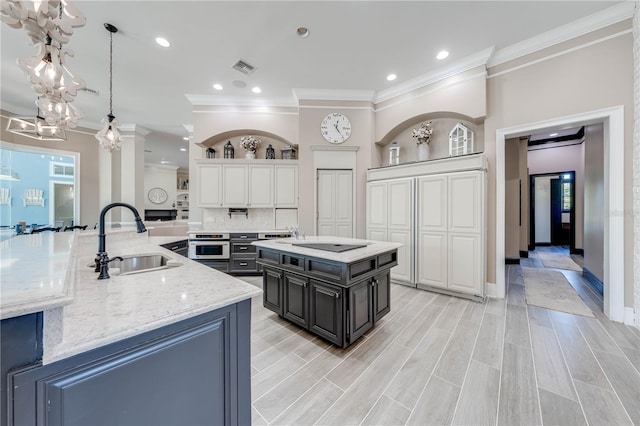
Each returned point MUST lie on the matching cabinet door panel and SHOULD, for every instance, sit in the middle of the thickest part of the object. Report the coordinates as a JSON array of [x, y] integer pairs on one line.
[[296, 299], [343, 230], [432, 203], [286, 186], [377, 234], [326, 311], [137, 388], [209, 185], [400, 195], [402, 271], [327, 229], [432, 259], [235, 179], [464, 264], [381, 296], [377, 205], [272, 290], [260, 186], [360, 309], [464, 202]]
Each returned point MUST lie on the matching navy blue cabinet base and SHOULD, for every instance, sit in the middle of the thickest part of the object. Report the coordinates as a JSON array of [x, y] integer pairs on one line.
[[193, 372], [336, 301]]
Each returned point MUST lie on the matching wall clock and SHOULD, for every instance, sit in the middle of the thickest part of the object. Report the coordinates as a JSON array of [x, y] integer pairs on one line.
[[336, 128], [157, 195]]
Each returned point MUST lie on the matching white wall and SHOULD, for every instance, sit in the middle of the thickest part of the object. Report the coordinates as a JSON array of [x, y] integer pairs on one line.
[[542, 219], [594, 215], [160, 177]]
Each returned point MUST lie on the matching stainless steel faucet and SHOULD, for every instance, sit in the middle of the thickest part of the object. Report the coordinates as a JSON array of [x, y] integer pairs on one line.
[[102, 258]]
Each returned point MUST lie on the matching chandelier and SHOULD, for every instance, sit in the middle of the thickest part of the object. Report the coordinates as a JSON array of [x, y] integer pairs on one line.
[[49, 24], [36, 128], [109, 135]]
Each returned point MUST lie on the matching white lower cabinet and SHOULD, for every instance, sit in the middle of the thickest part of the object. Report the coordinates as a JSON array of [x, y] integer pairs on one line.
[[441, 224]]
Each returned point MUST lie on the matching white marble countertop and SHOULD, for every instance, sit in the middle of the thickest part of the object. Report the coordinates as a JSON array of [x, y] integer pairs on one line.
[[372, 247], [45, 273]]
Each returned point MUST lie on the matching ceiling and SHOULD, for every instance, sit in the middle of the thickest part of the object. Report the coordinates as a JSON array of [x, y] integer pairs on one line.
[[351, 46]]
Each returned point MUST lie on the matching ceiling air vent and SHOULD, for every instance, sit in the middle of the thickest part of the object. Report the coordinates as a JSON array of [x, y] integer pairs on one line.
[[243, 67]]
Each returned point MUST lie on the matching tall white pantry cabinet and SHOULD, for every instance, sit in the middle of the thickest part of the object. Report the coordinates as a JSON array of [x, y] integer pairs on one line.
[[436, 209]]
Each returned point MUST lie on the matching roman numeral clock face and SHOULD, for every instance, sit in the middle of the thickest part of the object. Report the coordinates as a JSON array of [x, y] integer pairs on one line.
[[335, 128]]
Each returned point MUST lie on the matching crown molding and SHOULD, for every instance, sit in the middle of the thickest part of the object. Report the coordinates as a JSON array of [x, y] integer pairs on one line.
[[465, 64], [334, 95], [133, 128], [211, 100], [619, 12]]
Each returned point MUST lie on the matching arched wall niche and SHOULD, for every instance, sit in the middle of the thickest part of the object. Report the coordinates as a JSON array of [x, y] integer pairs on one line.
[[442, 122], [218, 141]]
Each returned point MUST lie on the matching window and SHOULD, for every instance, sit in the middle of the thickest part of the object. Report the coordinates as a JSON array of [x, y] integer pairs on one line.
[[61, 169], [566, 196]]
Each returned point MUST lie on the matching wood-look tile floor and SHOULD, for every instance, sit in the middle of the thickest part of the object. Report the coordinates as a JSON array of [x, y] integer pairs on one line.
[[436, 359]]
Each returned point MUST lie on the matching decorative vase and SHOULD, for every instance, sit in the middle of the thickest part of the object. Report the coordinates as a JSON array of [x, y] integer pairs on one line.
[[423, 151], [250, 155]]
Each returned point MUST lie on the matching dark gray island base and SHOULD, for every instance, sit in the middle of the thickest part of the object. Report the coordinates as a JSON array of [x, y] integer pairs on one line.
[[336, 300], [194, 372]]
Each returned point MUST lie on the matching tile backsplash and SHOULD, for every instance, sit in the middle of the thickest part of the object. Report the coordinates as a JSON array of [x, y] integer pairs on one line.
[[256, 219]]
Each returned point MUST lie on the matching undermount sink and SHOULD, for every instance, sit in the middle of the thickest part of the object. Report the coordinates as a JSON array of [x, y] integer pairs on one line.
[[333, 247], [135, 264]]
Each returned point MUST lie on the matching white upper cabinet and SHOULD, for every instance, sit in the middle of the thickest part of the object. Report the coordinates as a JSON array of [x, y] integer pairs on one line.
[[400, 196], [260, 186], [209, 185], [246, 184], [286, 186], [235, 192], [432, 199], [465, 190]]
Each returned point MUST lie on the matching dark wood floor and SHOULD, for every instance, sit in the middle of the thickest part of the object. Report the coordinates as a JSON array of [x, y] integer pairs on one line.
[[438, 359]]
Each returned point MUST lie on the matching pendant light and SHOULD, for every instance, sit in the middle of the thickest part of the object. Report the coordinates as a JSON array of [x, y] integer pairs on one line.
[[109, 136]]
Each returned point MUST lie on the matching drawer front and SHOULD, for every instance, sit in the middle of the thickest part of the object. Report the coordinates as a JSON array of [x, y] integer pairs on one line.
[[243, 248], [243, 236], [243, 265]]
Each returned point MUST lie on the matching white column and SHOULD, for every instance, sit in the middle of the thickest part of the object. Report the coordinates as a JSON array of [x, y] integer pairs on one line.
[[131, 177]]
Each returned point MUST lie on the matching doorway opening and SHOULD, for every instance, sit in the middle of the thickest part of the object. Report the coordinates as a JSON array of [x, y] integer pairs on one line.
[[613, 197], [552, 209], [61, 205]]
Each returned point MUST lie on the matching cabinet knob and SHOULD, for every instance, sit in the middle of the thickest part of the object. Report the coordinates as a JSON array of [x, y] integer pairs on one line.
[[337, 295], [304, 285]]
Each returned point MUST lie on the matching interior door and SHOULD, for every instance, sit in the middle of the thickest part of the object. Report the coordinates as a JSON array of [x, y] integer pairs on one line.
[[335, 203]]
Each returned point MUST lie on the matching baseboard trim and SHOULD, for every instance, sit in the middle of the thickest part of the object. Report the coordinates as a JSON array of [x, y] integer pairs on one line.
[[578, 251], [593, 281], [629, 317], [492, 290], [524, 254], [511, 261]]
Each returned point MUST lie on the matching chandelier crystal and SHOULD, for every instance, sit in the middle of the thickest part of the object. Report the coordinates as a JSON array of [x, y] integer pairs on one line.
[[49, 24], [109, 136]]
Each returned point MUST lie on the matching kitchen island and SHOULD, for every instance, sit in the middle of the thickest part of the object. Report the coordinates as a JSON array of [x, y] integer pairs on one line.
[[337, 288], [166, 346]]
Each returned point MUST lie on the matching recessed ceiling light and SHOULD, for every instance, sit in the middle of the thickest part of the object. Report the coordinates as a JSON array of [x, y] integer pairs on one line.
[[163, 42], [183, 149], [303, 32], [391, 77], [163, 162], [442, 54], [217, 86], [186, 138], [553, 134], [256, 90]]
